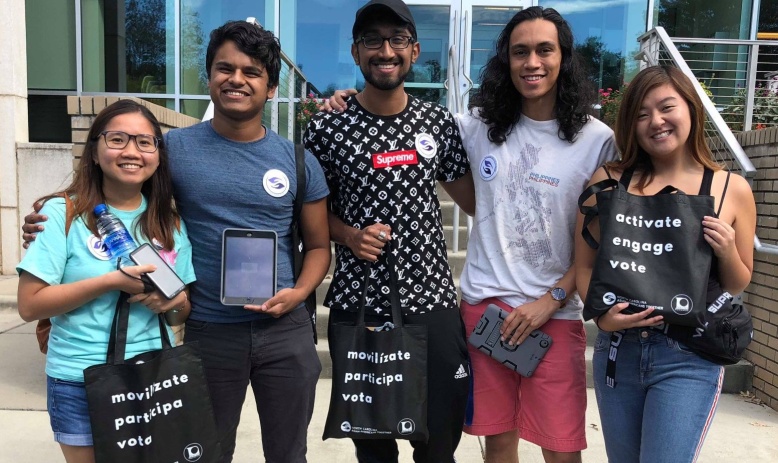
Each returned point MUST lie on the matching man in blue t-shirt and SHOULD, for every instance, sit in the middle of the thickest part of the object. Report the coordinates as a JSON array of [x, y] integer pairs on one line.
[[220, 171]]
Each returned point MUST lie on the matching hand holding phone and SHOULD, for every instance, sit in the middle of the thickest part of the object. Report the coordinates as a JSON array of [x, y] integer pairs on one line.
[[163, 278]]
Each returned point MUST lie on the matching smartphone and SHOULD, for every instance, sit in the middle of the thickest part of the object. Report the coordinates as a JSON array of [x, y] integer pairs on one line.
[[248, 266], [164, 278]]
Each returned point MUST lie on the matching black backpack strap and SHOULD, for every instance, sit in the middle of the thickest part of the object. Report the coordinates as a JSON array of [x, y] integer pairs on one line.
[[299, 156], [297, 242]]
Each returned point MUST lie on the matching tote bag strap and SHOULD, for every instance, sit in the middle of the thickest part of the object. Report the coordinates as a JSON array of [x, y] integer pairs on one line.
[[394, 295], [117, 341], [591, 212]]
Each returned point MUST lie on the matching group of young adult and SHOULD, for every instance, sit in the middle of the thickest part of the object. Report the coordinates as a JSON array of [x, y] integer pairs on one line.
[[517, 161]]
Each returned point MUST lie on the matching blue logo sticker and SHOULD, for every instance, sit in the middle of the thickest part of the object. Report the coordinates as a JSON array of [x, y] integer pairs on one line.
[[276, 183], [488, 168]]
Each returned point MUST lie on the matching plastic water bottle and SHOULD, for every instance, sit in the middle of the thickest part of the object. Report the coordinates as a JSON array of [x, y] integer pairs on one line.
[[114, 234]]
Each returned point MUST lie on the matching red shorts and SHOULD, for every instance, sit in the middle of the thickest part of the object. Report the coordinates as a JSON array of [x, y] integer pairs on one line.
[[548, 408]]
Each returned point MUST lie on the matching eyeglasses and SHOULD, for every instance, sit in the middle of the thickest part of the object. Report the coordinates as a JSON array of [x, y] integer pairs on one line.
[[118, 140], [397, 42]]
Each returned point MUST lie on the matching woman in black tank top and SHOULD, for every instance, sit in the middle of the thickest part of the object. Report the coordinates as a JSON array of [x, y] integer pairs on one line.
[[659, 398]]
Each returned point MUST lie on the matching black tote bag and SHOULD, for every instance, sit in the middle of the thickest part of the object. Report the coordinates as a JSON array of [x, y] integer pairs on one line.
[[379, 378], [651, 252], [154, 407]]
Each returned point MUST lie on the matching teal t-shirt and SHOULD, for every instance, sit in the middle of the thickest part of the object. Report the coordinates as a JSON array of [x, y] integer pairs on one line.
[[79, 338]]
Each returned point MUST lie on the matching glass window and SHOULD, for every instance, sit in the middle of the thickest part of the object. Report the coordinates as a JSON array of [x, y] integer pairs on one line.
[[488, 22], [714, 19], [432, 24], [606, 38], [194, 108], [322, 44], [198, 19], [768, 16], [128, 46], [48, 119], [51, 45]]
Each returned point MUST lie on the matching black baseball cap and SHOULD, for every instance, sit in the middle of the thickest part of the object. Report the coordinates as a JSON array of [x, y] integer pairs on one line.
[[398, 7]]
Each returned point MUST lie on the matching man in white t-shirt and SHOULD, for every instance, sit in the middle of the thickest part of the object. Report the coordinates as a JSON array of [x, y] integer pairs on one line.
[[532, 150]]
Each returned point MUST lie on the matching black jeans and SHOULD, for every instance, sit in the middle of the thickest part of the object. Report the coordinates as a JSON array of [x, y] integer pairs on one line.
[[447, 389], [278, 358]]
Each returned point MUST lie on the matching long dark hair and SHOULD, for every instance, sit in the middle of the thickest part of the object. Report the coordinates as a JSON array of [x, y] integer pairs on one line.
[[500, 102], [160, 219], [632, 154]]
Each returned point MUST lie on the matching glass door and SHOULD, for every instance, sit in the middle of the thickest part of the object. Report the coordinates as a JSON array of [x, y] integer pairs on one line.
[[457, 38]]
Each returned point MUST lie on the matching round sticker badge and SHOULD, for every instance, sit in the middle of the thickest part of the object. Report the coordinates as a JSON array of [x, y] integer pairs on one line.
[[488, 168], [276, 183], [97, 248], [426, 145]]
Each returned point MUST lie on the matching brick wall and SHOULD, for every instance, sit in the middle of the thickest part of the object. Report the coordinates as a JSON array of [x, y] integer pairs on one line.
[[761, 296]]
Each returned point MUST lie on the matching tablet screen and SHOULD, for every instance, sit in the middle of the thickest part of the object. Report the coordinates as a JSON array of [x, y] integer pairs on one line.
[[248, 266]]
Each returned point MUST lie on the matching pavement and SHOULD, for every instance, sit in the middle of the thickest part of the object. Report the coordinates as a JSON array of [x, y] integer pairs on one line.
[[742, 431]]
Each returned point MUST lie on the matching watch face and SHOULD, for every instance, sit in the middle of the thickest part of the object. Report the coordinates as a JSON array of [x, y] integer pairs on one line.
[[558, 294]]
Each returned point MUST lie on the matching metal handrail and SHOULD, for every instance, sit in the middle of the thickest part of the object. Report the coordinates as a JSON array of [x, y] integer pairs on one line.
[[657, 40]]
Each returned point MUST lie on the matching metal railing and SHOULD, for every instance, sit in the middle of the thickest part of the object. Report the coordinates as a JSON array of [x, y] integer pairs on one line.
[[656, 47], [456, 104], [741, 75]]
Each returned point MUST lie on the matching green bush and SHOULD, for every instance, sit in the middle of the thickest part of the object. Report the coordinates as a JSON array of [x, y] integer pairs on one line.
[[765, 110]]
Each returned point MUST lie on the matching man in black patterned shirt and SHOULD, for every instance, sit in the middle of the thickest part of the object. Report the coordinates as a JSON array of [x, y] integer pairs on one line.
[[382, 158]]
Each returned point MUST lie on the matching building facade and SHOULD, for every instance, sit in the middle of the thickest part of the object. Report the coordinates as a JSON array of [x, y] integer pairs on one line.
[[155, 49]]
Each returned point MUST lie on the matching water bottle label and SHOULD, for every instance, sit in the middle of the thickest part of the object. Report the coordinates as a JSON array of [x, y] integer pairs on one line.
[[118, 243]]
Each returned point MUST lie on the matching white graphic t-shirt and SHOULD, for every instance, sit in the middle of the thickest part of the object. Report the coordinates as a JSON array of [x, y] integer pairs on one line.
[[384, 169], [526, 204]]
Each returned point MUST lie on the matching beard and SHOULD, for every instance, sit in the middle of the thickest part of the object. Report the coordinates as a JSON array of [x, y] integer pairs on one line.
[[384, 82]]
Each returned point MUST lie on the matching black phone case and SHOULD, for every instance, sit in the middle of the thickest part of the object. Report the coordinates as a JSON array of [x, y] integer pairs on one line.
[[523, 358], [158, 261]]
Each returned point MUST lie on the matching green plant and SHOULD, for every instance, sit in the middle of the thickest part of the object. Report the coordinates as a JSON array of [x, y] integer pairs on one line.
[[306, 108], [610, 100], [765, 113]]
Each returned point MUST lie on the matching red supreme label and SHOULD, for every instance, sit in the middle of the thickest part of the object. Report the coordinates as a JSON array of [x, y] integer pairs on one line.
[[394, 158]]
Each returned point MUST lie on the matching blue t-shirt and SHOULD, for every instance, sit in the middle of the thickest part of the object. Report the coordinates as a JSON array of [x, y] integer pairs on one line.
[[79, 338], [220, 183]]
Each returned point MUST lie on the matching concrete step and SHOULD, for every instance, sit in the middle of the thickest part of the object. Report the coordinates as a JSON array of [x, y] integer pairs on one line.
[[447, 210]]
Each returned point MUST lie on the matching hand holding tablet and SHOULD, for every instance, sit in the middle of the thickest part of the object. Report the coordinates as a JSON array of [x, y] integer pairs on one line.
[[249, 259]]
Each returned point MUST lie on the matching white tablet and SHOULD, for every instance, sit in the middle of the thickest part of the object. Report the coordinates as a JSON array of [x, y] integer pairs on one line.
[[248, 266]]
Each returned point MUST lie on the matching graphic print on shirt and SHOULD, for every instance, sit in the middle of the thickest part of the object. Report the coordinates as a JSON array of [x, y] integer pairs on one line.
[[384, 170], [529, 237]]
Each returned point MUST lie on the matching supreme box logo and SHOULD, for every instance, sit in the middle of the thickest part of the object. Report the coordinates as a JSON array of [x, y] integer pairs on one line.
[[394, 158]]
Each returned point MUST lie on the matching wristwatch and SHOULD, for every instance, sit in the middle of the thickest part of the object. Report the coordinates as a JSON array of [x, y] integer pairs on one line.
[[559, 294]]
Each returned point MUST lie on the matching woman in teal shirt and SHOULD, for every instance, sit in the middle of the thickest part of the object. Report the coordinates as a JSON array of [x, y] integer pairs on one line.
[[67, 274]]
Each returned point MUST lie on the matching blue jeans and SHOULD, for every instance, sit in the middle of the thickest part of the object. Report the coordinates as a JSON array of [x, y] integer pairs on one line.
[[68, 412], [663, 402]]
